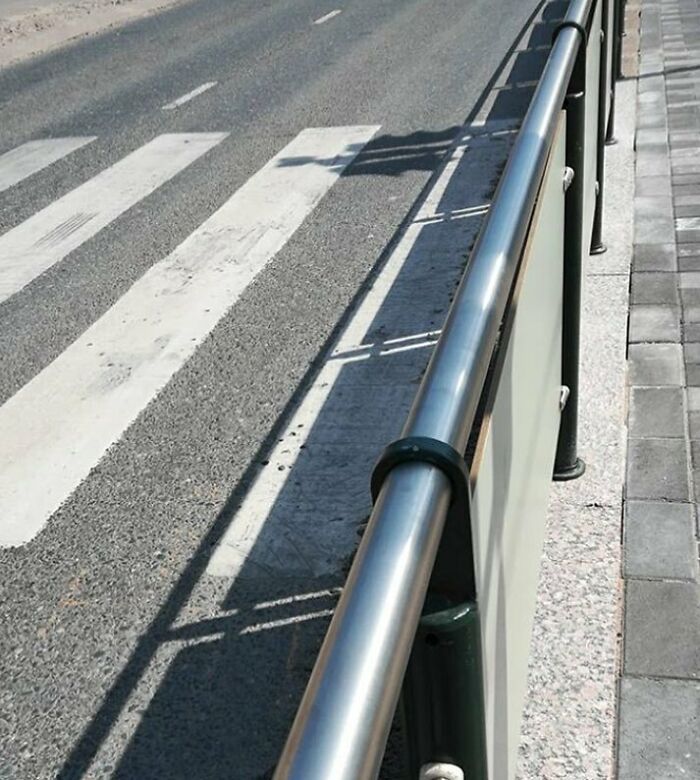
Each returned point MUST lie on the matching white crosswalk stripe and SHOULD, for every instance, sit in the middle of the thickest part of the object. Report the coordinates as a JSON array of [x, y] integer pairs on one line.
[[46, 238], [57, 427], [30, 158]]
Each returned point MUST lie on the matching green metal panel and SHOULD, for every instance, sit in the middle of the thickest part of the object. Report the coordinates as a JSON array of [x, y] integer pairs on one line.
[[442, 703]]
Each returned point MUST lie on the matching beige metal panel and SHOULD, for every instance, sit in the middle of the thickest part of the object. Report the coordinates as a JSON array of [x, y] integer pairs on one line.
[[591, 141], [512, 471]]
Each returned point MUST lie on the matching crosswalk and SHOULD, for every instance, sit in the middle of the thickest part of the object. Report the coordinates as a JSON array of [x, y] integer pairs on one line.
[[30, 158], [58, 426]]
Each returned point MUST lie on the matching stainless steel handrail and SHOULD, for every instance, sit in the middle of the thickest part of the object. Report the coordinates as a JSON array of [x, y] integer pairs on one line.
[[342, 725]]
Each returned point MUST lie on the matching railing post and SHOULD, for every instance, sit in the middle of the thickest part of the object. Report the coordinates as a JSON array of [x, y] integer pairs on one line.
[[567, 464], [620, 16], [597, 245], [616, 70], [442, 701]]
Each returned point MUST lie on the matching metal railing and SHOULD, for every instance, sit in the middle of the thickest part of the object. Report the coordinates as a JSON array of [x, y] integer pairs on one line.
[[418, 540]]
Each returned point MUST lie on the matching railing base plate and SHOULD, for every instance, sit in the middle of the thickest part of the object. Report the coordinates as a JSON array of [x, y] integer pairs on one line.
[[571, 472]]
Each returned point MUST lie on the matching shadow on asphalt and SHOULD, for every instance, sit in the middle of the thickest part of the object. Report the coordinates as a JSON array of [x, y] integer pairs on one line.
[[209, 709]]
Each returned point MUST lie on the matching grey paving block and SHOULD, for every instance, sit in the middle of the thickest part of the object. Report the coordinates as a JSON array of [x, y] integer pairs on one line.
[[690, 313], [654, 323], [688, 236], [652, 192], [655, 257], [689, 280], [655, 364], [689, 250], [662, 629], [692, 374], [695, 453], [659, 727], [653, 231], [694, 420], [687, 211], [687, 178], [690, 297], [693, 399], [691, 331], [659, 538], [656, 412], [652, 161], [654, 288], [691, 263], [657, 469]]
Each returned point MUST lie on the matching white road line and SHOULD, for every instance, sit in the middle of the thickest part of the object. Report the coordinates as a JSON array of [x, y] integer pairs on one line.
[[51, 234], [186, 98], [300, 515], [328, 16], [30, 158], [59, 425]]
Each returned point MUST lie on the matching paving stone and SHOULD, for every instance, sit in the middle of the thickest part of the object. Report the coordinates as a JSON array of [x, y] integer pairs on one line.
[[649, 190], [650, 137], [692, 374], [657, 469], [655, 364], [653, 323], [686, 200], [654, 288], [655, 257], [685, 189], [688, 250], [690, 298], [688, 236], [662, 629], [687, 211], [656, 412], [659, 540], [659, 727], [693, 399], [691, 331], [689, 280], [689, 263], [690, 312], [694, 425], [686, 178]]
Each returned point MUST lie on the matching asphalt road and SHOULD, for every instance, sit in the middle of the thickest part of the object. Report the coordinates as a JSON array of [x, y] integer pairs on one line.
[[123, 651]]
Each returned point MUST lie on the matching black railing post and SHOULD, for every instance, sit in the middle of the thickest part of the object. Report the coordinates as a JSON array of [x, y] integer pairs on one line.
[[616, 69], [567, 464], [597, 245]]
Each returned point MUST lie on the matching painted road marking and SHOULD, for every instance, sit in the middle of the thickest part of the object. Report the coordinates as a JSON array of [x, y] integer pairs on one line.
[[186, 98], [328, 16], [51, 234], [300, 516], [58, 426], [32, 157]]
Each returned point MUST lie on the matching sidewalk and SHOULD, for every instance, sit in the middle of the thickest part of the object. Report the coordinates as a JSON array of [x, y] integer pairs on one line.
[[659, 728]]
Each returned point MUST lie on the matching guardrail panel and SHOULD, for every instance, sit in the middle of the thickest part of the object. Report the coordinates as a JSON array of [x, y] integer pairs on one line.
[[512, 471]]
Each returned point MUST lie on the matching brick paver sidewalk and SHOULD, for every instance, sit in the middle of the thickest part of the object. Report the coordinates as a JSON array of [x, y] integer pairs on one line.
[[660, 686]]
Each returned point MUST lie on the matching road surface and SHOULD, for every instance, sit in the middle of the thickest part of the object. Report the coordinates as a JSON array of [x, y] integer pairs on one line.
[[229, 234]]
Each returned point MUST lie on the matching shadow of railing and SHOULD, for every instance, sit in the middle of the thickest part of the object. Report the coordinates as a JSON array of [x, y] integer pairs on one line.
[[286, 534]]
